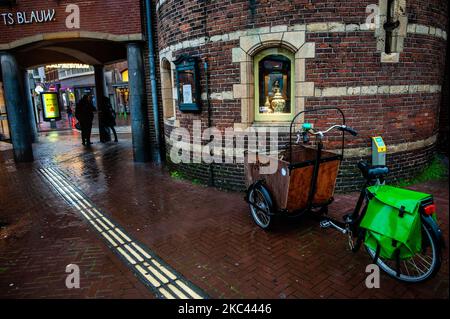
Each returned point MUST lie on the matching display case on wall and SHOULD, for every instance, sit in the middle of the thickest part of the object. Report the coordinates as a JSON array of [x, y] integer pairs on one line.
[[274, 86], [188, 84]]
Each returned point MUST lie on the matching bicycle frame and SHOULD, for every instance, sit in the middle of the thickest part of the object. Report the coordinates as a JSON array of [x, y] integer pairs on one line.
[[352, 220], [317, 206]]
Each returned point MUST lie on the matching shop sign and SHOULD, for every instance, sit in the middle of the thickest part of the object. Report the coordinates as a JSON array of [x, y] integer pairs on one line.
[[50, 106], [67, 66], [23, 17], [42, 16]]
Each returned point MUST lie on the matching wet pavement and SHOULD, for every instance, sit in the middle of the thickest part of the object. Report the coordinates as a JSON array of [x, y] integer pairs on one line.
[[123, 122], [205, 234]]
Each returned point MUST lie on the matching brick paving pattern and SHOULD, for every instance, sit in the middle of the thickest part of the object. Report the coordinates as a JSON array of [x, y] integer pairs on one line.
[[44, 236], [204, 233]]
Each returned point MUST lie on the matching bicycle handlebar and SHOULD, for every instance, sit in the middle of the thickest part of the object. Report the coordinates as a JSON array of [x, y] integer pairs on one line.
[[308, 128], [314, 111], [349, 129]]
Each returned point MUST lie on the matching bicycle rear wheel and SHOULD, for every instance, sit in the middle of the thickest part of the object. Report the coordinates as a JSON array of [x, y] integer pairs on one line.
[[421, 266]]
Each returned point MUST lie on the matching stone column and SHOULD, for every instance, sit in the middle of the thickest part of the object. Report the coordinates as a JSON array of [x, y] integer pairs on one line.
[[31, 113], [100, 93], [16, 106], [138, 110]]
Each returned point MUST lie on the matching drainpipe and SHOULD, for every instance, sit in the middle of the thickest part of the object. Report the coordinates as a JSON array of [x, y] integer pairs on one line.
[[208, 101], [211, 167], [151, 60]]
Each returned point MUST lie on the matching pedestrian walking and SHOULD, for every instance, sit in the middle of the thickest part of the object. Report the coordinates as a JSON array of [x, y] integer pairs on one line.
[[70, 116], [110, 117], [84, 112]]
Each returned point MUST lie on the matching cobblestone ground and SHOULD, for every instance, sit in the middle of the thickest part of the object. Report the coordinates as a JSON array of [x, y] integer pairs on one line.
[[204, 233]]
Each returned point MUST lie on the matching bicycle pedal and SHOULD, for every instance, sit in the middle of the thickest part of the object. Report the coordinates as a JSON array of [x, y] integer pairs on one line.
[[325, 224]]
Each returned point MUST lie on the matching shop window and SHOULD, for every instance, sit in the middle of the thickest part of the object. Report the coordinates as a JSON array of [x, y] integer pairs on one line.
[[122, 96], [274, 85], [4, 127], [124, 75], [167, 90]]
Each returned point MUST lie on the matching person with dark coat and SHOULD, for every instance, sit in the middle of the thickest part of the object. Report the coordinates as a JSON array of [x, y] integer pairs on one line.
[[84, 112], [109, 116]]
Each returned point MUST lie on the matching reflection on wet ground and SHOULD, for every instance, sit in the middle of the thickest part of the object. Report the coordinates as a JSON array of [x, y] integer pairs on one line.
[[208, 235]]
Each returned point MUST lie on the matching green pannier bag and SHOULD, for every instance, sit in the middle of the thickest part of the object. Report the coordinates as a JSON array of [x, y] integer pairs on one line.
[[392, 222]]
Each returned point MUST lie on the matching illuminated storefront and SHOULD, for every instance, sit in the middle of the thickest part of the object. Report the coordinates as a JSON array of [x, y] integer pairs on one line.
[[4, 126], [121, 93]]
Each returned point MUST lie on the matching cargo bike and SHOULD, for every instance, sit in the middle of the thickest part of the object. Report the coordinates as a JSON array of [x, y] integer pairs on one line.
[[398, 227]]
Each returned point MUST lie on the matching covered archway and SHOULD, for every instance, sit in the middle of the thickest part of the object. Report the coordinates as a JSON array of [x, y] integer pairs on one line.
[[93, 49]]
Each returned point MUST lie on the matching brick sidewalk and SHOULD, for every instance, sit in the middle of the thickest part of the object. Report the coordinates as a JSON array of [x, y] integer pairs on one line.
[[44, 236], [205, 234]]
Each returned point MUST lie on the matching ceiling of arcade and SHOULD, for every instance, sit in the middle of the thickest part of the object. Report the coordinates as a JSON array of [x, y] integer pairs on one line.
[[85, 51]]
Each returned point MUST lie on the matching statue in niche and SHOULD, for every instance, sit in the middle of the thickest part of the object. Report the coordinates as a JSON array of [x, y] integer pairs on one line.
[[278, 102]]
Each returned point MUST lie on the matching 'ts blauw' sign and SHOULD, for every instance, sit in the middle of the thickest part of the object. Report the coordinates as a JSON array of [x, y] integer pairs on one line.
[[23, 17]]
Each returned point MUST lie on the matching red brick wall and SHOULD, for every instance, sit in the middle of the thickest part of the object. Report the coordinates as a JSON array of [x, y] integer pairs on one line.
[[342, 59], [183, 19], [445, 105], [230, 176], [399, 118], [115, 17], [351, 59]]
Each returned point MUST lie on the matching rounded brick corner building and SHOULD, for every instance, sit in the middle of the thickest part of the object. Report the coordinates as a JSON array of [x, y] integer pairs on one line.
[[382, 62]]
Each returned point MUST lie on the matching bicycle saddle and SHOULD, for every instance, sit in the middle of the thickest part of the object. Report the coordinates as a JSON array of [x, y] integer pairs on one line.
[[372, 172]]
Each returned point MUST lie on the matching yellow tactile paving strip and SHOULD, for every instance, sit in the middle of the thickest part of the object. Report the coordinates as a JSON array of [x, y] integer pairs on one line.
[[165, 282]]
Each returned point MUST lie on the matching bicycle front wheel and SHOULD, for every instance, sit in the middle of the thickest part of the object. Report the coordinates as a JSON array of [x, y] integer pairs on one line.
[[261, 206], [421, 266]]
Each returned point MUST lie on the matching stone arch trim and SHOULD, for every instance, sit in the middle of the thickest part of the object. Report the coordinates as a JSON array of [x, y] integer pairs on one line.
[[72, 35], [249, 46]]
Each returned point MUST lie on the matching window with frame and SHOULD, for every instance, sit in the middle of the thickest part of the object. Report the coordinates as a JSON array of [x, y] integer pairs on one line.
[[4, 126], [274, 85], [167, 90]]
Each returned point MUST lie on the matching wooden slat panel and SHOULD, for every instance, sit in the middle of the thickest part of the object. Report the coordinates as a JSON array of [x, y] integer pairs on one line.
[[275, 183], [299, 186], [326, 181], [291, 192]]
